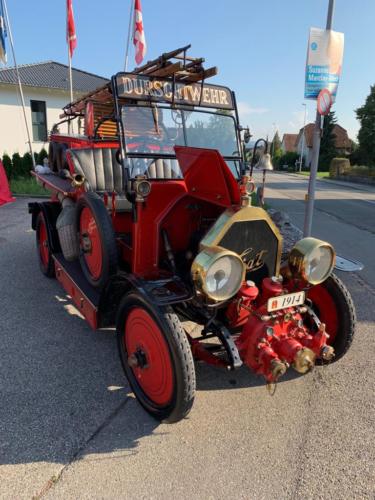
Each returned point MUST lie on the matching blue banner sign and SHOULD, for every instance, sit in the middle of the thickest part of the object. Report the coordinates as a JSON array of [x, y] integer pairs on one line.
[[324, 62]]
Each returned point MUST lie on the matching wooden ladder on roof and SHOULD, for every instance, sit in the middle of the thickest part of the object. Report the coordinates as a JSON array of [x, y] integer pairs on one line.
[[178, 64]]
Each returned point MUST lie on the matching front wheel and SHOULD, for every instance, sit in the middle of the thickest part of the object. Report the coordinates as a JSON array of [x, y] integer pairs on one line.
[[156, 358], [46, 263], [332, 303]]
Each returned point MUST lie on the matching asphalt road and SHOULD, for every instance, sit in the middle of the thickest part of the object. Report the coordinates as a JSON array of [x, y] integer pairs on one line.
[[70, 429]]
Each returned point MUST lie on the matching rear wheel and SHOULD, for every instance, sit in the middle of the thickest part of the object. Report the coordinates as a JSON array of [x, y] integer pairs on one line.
[[98, 252], [156, 358], [334, 306], [46, 263]]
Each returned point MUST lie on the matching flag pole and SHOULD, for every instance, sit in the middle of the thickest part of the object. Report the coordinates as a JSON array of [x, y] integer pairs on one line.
[[19, 80], [131, 14], [70, 127]]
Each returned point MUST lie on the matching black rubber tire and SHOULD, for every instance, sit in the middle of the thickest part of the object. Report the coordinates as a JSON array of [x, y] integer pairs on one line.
[[49, 269], [107, 239], [346, 316], [181, 358]]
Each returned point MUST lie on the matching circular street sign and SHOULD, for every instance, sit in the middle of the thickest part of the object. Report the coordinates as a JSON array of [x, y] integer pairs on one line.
[[325, 102]]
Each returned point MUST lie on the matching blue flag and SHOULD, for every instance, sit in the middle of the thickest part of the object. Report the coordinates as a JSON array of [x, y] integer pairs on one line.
[[3, 34]]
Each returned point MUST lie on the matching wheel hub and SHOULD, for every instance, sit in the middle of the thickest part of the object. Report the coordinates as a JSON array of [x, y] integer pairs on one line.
[[86, 243], [138, 359]]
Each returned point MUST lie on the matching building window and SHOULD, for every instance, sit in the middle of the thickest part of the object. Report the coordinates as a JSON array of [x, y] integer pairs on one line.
[[39, 120]]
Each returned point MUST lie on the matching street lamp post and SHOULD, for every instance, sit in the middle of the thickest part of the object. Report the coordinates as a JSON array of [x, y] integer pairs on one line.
[[303, 139], [316, 148]]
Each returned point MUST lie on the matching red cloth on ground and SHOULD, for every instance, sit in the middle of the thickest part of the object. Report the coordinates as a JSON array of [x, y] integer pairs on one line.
[[5, 194]]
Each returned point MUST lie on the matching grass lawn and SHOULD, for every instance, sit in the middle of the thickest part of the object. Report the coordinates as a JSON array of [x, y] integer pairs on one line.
[[321, 175], [26, 185]]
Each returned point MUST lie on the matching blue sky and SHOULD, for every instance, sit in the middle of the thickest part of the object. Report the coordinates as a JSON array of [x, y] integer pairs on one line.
[[259, 47]]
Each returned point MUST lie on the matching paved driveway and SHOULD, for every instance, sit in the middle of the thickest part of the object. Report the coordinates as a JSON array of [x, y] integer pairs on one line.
[[70, 429]]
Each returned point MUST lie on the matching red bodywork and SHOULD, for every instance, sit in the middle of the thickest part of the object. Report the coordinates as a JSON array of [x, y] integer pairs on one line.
[[178, 207]]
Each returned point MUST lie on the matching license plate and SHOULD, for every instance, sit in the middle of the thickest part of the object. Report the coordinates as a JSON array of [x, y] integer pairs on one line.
[[284, 301]]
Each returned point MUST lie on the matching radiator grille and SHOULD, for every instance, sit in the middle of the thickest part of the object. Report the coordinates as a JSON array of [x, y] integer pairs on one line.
[[255, 241]]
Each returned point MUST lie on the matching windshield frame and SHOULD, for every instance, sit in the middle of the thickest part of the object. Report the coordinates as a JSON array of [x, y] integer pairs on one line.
[[123, 155], [182, 109]]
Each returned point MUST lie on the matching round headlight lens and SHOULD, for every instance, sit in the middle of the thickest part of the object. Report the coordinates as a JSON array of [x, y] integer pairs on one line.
[[312, 260], [218, 273]]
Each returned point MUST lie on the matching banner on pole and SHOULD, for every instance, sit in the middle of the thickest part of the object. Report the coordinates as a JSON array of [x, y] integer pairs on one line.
[[324, 62], [139, 38], [3, 34], [71, 36]]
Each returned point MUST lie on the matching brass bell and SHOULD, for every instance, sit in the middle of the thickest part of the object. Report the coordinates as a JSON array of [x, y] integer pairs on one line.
[[264, 162]]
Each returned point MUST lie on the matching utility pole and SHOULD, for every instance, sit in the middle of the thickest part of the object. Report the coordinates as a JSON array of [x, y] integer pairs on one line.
[[316, 148], [303, 139]]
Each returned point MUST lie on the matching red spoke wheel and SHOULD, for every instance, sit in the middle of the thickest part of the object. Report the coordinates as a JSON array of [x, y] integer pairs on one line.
[[334, 306], [98, 252], [156, 358], [46, 263]]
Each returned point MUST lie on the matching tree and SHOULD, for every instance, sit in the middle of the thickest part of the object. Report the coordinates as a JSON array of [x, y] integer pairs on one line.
[[276, 151], [276, 143], [366, 134], [328, 143], [7, 163]]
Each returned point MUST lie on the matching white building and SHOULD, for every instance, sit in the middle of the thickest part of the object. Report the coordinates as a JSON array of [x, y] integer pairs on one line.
[[46, 92]]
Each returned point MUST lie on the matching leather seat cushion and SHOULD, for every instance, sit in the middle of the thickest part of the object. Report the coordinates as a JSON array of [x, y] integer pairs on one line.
[[100, 168]]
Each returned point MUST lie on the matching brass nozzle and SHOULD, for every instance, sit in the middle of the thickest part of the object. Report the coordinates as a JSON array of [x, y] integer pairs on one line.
[[304, 360], [327, 353], [278, 368]]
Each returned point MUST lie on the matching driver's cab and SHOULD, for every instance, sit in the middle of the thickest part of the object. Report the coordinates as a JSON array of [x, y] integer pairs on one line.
[[135, 121]]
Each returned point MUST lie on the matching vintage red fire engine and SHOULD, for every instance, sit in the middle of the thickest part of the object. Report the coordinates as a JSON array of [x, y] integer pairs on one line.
[[150, 226]]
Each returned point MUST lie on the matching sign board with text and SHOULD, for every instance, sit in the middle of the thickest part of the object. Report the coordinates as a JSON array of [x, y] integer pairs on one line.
[[148, 88], [324, 62]]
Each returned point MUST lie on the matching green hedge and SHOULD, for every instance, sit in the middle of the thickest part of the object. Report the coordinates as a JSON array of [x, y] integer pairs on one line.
[[20, 166]]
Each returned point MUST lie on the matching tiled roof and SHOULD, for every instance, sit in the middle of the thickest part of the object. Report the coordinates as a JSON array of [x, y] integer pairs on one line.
[[290, 142], [342, 140], [52, 75]]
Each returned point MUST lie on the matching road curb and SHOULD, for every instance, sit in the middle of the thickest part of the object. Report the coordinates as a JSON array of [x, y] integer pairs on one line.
[[352, 185]]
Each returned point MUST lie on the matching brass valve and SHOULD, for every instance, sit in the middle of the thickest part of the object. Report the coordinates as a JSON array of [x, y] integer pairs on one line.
[[304, 360]]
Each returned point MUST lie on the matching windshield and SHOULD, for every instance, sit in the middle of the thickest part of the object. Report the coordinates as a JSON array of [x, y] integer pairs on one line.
[[155, 131]]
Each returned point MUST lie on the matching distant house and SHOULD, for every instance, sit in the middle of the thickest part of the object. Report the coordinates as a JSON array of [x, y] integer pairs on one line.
[[305, 141], [289, 143], [46, 91]]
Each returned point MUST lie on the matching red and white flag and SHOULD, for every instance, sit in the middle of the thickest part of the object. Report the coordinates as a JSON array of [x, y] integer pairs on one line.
[[139, 39], [71, 36]]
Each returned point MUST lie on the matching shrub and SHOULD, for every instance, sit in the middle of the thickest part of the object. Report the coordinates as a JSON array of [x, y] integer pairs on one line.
[[27, 164], [17, 165], [42, 154], [338, 166], [361, 171], [7, 162], [289, 159]]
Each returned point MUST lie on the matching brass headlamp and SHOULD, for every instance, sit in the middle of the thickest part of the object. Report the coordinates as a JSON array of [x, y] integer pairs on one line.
[[312, 260], [218, 273]]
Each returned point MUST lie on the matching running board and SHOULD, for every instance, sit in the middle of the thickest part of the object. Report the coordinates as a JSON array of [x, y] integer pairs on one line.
[[85, 297]]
